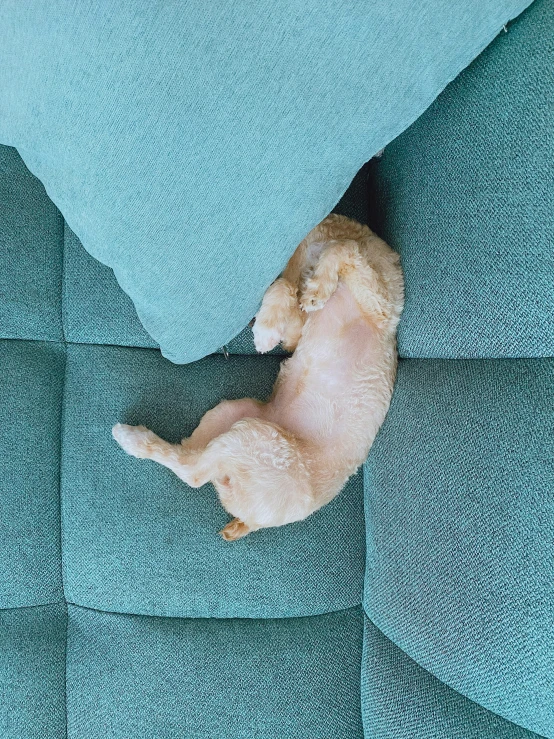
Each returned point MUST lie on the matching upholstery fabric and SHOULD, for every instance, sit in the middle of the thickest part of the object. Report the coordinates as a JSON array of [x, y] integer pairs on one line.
[[460, 529], [402, 700], [30, 418], [137, 540], [31, 273], [466, 196], [121, 612], [191, 146], [458, 486], [32, 672], [206, 678], [274, 623]]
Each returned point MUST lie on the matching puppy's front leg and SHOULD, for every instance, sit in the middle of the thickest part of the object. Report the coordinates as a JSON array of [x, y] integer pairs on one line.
[[337, 257], [279, 319]]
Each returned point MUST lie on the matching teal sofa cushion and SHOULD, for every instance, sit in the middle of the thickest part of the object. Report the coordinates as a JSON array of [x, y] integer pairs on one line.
[[31, 386], [143, 677], [31, 274], [401, 699], [460, 525], [466, 196], [460, 529], [32, 672], [191, 146]]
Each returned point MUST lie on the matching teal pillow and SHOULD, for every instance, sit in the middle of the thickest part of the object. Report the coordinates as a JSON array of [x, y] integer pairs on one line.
[[191, 146]]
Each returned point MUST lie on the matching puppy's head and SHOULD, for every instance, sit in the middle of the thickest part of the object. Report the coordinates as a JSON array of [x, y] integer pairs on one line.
[[259, 473]]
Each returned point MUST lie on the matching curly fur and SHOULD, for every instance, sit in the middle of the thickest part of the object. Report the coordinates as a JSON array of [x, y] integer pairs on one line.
[[336, 306]]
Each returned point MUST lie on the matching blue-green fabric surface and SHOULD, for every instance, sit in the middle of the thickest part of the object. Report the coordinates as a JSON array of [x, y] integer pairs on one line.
[[460, 525], [402, 700], [466, 196], [144, 677], [135, 539], [31, 381], [30, 244], [138, 540], [191, 146], [459, 508], [95, 309], [32, 672]]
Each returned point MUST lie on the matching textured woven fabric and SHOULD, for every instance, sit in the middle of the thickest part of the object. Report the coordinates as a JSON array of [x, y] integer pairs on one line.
[[460, 525], [95, 309], [31, 274], [130, 537], [32, 672], [466, 196], [402, 700], [459, 514], [141, 677], [191, 146], [136, 539], [30, 412]]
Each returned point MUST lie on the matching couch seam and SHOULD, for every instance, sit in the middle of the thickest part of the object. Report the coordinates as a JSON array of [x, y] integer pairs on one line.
[[60, 462], [62, 287], [358, 606], [450, 687], [65, 668], [34, 605], [280, 357]]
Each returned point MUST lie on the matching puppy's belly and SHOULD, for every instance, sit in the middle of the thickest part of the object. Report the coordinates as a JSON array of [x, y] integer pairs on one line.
[[327, 385]]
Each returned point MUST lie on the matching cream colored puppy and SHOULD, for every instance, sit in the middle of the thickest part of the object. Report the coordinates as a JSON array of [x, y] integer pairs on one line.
[[336, 307]]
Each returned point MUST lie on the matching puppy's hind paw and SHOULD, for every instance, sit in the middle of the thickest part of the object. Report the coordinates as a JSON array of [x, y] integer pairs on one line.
[[235, 529], [135, 440]]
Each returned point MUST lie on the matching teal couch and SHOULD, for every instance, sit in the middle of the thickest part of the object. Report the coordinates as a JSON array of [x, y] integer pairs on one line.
[[418, 604]]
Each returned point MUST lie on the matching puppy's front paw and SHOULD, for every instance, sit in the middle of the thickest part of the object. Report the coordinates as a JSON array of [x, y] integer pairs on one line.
[[266, 337], [315, 295], [135, 440]]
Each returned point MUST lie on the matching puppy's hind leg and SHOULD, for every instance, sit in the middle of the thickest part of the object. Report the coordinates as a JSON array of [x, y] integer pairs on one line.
[[187, 459], [188, 465], [140, 442], [219, 420]]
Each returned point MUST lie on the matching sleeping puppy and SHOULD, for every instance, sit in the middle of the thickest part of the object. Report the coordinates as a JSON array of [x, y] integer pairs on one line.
[[336, 306]]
